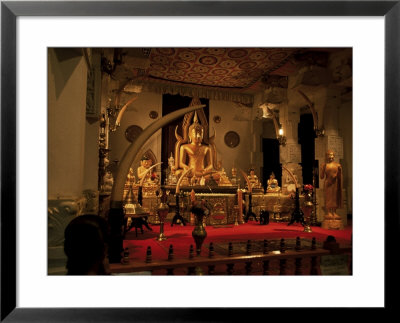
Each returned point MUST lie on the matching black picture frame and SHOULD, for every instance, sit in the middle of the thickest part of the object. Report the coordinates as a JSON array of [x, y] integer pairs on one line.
[[10, 10]]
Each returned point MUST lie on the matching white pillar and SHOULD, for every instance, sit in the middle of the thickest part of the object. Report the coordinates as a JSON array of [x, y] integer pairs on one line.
[[290, 154], [67, 75]]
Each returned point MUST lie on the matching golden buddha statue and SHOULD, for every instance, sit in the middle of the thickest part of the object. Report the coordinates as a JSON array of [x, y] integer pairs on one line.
[[332, 172], [253, 179], [194, 154], [145, 164], [130, 178], [224, 180], [234, 180], [272, 184]]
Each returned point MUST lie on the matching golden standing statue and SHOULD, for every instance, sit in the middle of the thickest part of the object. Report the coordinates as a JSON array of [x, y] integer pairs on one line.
[[130, 178], [332, 172]]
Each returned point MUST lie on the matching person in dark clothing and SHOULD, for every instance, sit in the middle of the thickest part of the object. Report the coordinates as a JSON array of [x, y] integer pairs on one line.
[[85, 245]]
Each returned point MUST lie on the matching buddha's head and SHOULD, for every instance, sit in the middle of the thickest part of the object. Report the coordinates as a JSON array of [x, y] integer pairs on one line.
[[330, 156], [272, 176], [196, 131], [252, 171], [146, 162]]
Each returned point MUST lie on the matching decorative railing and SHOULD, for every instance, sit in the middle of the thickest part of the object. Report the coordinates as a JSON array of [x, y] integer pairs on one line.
[[297, 261]]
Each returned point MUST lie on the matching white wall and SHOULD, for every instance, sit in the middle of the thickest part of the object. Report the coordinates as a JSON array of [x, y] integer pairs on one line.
[[232, 119]]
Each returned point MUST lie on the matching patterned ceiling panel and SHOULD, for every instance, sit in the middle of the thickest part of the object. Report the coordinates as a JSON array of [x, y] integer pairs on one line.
[[221, 67]]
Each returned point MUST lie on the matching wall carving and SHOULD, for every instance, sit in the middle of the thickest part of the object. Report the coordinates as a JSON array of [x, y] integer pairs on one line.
[[59, 213], [92, 202]]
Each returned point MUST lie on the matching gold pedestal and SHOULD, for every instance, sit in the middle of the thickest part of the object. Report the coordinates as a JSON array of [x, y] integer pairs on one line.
[[332, 222]]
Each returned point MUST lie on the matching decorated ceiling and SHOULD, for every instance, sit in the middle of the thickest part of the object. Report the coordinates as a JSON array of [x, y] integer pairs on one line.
[[233, 74], [216, 67]]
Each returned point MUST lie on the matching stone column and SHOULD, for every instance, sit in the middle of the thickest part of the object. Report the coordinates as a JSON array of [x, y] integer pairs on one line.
[[290, 154], [256, 157], [67, 75]]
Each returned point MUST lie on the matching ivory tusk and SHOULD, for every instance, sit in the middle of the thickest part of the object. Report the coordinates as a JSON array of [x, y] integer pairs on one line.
[[118, 121], [291, 175], [247, 180], [147, 171], [178, 185]]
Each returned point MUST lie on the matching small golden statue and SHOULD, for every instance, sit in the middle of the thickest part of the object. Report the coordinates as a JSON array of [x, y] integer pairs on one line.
[[273, 184], [224, 180], [253, 179], [130, 178], [234, 176]]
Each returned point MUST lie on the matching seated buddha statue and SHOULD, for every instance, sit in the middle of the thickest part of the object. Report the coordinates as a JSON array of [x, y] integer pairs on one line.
[[145, 164], [272, 184], [253, 179], [224, 180], [195, 155]]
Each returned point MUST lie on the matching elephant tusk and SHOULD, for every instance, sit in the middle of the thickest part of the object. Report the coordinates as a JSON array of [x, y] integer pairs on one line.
[[178, 185], [147, 171], [247, 180]]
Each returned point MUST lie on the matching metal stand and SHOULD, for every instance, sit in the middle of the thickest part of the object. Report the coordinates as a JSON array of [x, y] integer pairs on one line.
[[313, 216], [140, 195], [177, 217], [250, 212], [297, 215]]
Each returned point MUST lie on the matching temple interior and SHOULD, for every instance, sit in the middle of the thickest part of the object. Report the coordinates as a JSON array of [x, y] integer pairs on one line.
[[184, 147]]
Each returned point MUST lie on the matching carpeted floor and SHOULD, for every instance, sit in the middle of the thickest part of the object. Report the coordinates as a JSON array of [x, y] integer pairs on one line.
[[180, 237]]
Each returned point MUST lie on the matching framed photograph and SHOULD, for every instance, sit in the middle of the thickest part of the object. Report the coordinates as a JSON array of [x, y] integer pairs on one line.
[[29, 28]]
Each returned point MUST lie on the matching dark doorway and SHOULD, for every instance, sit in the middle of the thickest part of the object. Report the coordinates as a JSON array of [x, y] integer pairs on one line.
[[307, 142], [172, 103], [270, 148]]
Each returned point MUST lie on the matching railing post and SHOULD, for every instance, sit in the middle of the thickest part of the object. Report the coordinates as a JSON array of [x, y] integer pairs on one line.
[[211, 268], [265, 262], [298, 266], [314, 269], [229, 267], [191, 252], [248, 247], [170, 271], [298, 261], [191, 269], [298, 244], [148, 255], [282, 262], [248, 266]]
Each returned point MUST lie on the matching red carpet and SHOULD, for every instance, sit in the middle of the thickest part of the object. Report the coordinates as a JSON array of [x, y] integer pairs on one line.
[[181, 237]]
